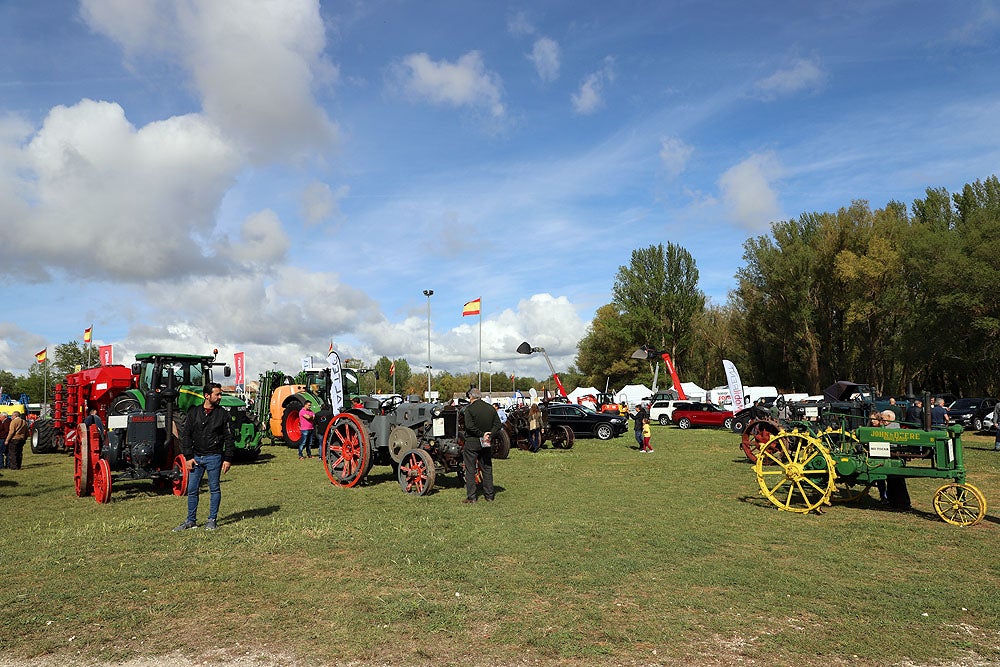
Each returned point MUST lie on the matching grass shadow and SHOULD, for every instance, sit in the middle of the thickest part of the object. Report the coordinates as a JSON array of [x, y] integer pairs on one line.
[[255, 513]]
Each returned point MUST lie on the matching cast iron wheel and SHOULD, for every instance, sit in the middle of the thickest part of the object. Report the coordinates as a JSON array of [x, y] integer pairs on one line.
[[290, 430], [664, 420], [604, 432], [42, 436], [960, 504], [569, 438], [684, 423], [416, 472], [102, 482], [124, 404], [347, 454], [501, 446], [401, 439], [757, 433], [728, 424], [82, 472], [179, 474], [804, 475]]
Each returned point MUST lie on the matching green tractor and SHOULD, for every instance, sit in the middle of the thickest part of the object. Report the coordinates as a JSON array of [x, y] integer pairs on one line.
[[172, 383]]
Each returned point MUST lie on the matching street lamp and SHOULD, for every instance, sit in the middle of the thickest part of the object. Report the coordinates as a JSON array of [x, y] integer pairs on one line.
[[428, 293], [491, 378], [525, 348]]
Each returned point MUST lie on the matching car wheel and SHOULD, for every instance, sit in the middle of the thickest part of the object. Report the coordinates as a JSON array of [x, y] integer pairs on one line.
[[684, 423], [604, 432], [728, 424], [977, 424], [664, 420]]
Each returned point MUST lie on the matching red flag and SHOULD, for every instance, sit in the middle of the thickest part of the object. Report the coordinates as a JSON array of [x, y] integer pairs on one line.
[[473, 307], [41, 356], [392, 368], [330, 351], [104, 352], [88, 334], [238, 360]]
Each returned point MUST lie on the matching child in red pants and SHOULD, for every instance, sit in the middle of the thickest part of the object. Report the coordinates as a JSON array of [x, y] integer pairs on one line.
[[645, 437]]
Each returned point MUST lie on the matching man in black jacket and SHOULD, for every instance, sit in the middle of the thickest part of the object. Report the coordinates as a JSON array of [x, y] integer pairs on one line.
[[207, 444], [482, 424]]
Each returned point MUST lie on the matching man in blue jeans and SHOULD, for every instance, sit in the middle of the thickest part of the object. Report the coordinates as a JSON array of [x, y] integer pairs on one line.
[[207, 444]]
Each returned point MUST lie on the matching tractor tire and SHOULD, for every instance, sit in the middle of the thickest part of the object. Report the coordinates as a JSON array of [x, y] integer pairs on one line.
[[42, 436], [728, 424], [290, 432], [501, 446]]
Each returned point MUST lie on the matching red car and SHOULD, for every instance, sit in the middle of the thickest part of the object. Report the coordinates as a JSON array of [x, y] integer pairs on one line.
[[702, 414]]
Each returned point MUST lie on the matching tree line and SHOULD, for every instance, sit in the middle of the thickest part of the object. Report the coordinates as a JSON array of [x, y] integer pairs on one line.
[[906, 299]]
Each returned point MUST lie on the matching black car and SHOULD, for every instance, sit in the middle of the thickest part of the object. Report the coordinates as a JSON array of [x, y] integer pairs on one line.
[[584, 422], [965, 410]]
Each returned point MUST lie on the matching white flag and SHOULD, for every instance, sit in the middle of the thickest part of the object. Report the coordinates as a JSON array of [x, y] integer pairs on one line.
[[735, 385]]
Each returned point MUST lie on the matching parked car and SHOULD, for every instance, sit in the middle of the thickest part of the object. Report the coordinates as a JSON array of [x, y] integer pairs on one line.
[[702, 414], [661, 411], [586, 422], [982, 415], [964, 410]]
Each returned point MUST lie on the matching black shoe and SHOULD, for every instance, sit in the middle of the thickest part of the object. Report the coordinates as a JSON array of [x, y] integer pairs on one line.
[[488, 499]]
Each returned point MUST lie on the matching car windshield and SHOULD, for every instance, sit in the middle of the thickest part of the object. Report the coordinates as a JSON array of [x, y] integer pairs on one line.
[[588, 408], [965, 403]]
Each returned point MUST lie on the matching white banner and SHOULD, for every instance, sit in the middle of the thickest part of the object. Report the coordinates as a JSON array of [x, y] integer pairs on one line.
[[336, 382], [735, 385]]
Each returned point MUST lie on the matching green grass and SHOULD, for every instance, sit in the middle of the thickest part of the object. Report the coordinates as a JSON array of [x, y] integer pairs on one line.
[[589, 556]]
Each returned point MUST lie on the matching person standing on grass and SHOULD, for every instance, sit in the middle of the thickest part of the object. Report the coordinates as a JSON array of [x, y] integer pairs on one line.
[[207, 444], [16, 436], [4, 430], [534, 427], [482, 424], [996, 425], [640, 415], [646, 435], [939, 413], [307, 420]]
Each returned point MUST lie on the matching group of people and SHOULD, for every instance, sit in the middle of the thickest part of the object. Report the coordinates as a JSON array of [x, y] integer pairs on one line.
[[13, 434], [642, 430]]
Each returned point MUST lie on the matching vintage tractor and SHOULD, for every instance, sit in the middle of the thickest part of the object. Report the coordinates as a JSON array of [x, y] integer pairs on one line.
[[801, 470], [419, 440], [145, 422], [90, 388], [516, 428]]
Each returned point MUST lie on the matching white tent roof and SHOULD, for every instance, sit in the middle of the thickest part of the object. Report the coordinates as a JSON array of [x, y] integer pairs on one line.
[[582, 391], [691, 389], [633, 393]]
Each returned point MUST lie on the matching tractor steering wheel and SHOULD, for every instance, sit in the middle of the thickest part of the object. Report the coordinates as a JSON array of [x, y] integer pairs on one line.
[[389, 404]]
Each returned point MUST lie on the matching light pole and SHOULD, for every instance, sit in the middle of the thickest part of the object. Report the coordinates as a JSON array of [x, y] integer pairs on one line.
[[428, 293], [491, 378]]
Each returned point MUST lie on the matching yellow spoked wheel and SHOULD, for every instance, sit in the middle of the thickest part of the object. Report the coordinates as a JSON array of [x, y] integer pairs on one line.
[[799, 474], [960, 504]]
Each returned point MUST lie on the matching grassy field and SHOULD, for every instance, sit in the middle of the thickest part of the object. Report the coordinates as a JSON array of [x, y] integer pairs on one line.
[[595, 555]]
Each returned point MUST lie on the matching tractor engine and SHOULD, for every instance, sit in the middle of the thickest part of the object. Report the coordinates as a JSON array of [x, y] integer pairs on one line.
[[144, 443]]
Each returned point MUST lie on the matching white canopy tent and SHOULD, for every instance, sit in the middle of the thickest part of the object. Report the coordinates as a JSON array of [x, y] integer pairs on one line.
[[582, 391]]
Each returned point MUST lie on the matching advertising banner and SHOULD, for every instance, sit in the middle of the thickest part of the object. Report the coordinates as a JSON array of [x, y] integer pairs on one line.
[[735, 385], [104, 351], [241, 379]]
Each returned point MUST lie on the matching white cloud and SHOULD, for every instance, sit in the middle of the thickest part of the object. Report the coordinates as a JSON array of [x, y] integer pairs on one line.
[[255, 65], [519, 25], [465, 83], [320, 203], [800, 75], [545, 56], [674, 155], [746, 190], [590, 95]]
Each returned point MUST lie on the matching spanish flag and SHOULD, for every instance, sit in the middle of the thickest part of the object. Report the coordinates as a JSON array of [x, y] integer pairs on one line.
[[88, 334], [392, 368], [473, 307], [41, 356], [331, 349]]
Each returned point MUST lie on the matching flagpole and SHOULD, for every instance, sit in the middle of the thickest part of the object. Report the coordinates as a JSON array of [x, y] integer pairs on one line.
[[481, 346]]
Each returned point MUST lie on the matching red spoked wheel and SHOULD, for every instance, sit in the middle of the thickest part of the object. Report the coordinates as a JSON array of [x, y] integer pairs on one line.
[[347, 453], [102, 482], [83, 476], [756, 433], [416, 472], [179, 474]]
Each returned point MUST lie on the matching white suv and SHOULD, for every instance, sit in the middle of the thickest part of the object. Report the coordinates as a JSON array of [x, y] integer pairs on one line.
[[662, 411]]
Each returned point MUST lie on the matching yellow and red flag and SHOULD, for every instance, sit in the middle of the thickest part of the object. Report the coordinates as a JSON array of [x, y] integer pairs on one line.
[[392, 368], [473, 307], [330, 351], [88, 334], [41, 356]]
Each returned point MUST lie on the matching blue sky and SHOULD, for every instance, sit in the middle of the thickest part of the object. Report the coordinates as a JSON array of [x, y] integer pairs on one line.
[[267, 177]]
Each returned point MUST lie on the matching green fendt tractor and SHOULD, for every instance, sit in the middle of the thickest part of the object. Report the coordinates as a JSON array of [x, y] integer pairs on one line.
[[142, 439]]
